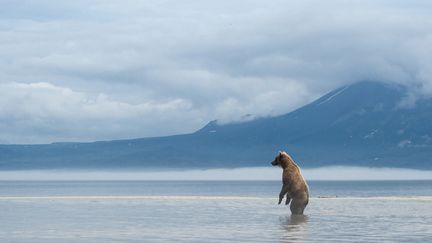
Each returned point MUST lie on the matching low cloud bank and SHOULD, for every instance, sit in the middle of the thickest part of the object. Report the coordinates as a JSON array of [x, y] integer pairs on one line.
[[254, 173]]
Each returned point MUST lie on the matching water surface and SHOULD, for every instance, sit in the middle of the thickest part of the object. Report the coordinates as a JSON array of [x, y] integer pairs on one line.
[[218, 211]]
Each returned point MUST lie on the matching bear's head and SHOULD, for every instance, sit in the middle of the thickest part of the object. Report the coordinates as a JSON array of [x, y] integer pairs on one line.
[[283, 160]]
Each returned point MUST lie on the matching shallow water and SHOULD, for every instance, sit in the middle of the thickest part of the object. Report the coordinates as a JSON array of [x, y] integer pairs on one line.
[[212, 212]]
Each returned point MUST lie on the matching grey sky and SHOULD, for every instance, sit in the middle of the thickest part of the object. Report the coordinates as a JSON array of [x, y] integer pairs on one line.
[[94, 70]]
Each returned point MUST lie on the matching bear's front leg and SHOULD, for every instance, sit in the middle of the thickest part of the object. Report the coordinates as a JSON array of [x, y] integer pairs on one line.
[[284, 191], [288, 199]]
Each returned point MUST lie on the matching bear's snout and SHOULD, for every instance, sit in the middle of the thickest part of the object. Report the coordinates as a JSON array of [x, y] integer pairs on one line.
[[274, 163]]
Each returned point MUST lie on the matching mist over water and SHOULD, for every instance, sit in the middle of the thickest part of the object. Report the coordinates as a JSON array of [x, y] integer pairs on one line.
[[253, 173]]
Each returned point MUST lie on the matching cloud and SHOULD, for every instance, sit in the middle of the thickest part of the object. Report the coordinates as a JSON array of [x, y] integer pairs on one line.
[[59, 113], [166, 67]]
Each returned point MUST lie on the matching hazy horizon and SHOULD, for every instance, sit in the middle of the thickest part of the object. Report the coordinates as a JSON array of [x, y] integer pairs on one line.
[[247, 173]]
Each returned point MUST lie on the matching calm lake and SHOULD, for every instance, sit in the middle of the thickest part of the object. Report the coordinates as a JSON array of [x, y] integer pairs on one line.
[[213, 211]]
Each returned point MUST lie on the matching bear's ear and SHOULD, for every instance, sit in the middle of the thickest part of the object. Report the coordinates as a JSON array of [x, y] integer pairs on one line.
[[280, 154]]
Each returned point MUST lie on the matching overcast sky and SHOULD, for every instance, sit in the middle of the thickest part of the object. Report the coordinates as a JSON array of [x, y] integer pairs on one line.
[[95, 70]]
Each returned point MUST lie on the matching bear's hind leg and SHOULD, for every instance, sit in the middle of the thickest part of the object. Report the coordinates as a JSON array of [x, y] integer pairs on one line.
[[297, 206]]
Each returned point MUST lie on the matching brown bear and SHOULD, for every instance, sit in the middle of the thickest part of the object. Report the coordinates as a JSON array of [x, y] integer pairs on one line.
[[294, 185]]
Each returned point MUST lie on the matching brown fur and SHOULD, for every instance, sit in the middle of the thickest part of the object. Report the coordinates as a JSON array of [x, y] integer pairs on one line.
[[294, 185]]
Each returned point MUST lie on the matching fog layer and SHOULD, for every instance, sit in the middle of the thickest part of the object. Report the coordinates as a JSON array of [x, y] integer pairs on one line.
[[256, 173]]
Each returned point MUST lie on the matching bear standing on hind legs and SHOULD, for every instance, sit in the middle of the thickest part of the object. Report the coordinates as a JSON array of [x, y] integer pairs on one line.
[[294, 185]]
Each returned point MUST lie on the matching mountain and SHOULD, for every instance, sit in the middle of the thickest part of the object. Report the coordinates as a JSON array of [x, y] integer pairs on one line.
[[363, 124]]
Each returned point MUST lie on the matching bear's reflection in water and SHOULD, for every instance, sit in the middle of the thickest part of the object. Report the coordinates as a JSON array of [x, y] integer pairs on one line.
[[294, 227]]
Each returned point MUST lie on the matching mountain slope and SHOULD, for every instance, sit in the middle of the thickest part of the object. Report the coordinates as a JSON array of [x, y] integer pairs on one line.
[[361, 124]]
